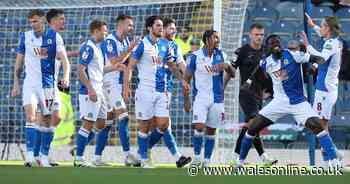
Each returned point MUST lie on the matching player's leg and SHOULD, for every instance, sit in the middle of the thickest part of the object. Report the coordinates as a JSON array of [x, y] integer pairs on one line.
[[30, 102], [270, 113], [102, 139], [200, 114], [162, 121], [144, 110]]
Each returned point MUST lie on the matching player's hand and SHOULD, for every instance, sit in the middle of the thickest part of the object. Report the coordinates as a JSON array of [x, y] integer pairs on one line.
[[304, 38], [65, 82], [92, 95], [187, 103], [265, 94], [134, 43], [310, 22], [185, 88], [118, 67], [126, 93], [15, 90], [245, 85]]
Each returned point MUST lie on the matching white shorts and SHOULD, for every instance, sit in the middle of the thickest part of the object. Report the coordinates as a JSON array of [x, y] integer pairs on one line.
[[324, 102], [113, 95], [279, 108], [149, 104], [90, 110], [47, 99], [209, 113]]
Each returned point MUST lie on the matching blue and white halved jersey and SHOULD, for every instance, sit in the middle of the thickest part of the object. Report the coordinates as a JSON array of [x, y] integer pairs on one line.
[[152, 63], [286, 74], [208, 75], [113, 48], [53, 43], [91, 56], [29, 46], [327, 76]]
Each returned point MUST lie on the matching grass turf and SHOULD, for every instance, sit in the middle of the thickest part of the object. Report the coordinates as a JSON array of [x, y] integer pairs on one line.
[[14, 172]]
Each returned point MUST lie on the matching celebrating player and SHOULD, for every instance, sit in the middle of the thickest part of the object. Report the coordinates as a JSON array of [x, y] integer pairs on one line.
[[284, 68], [92, 102], [327, 77], [151, 98], [206, 67], [118, 49], [168, 38]]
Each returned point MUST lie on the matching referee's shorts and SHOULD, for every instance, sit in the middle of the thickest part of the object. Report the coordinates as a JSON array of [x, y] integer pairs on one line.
[[249, 103]]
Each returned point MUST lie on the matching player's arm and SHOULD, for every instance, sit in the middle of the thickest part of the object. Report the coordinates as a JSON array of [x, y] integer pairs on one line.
[[18, 66], [231, 70], [86, 56], [136, 56], [62, 55], [326, 53], [180, 60], [176, 71], [190, 69], [125, 55], [312, 24]]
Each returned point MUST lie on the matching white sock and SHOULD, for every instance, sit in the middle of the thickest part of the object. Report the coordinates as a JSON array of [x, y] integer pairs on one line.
[[79, 158], [126, 153], [97, 157], [197, 157], [30, 156], [177, 155]]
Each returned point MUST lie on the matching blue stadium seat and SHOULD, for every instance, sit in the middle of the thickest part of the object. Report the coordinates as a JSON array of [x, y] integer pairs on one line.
[[290, 12], [343, 14], [320, 12], [265, 15], [245, 39], [283, 28]]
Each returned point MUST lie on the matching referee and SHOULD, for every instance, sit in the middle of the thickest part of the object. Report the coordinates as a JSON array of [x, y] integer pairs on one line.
[[250, 98]]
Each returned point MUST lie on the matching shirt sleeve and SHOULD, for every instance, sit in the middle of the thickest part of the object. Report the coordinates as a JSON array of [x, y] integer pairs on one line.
[[111, 48], [300, 57], [59, 44], [191, 67], [237, 62], [86, 55], [21, 44], [327, 51], [137, 54], [179, 56], [262, 64]]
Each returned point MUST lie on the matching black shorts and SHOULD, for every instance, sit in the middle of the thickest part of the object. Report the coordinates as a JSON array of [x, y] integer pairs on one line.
[[250, 104]]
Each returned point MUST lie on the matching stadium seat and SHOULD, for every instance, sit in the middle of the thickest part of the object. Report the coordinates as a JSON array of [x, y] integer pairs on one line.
[[245, 39], [290, 12], [265, 15], [319, 13], [343, 14], [298, 145]]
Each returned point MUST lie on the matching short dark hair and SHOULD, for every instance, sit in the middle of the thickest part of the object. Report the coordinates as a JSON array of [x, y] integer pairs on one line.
[[96, 24], [256, 26], [167, 21], [52, 13], [207, 34], [36, 12], [270, 37], [151, 20], [333, 24], [123, 17]]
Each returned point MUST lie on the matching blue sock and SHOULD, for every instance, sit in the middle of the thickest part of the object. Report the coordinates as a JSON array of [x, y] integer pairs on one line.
[[46, 139], [37, 144], [82, 141], [327, 145], [123, 130], [209, 146], [30, 136], [142, 140], [197, 142], [170, 142], [101, 140], [245, 146], [154, 138]]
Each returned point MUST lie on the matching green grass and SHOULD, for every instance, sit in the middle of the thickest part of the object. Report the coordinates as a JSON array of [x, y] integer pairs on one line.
[[14, 172]]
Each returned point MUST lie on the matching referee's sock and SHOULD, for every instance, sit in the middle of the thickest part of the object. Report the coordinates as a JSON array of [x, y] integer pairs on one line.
[[257, 142]]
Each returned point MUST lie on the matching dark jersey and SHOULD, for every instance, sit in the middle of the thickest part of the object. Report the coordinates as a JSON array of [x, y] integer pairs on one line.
[[248, 59]]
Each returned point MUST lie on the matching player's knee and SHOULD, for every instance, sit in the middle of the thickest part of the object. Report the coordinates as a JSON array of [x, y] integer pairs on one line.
[[314, 125], [257, 124], [55, 119], [110, 115], [163, 126], [100, 124], [88, 125], [143, 126]]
